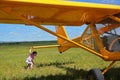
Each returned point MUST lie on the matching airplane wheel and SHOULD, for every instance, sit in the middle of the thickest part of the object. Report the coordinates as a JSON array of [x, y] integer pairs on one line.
[[95, 74]]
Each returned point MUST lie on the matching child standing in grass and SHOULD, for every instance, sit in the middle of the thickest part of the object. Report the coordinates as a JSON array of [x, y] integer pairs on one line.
[[29, 60]]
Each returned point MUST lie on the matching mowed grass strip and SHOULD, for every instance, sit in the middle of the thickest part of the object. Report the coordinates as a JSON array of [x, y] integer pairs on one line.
[[50, 64]]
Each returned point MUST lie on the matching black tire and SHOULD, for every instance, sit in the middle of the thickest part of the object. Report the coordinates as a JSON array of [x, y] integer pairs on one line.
[[95, 74]]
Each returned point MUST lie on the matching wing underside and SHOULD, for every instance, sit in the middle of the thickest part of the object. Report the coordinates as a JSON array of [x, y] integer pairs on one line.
[[58, 12]]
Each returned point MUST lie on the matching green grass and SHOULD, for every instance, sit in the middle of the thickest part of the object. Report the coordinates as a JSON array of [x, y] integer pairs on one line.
[[50, 64]]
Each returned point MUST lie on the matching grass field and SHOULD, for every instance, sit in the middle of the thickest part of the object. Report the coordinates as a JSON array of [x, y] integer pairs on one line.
[[50, 64]]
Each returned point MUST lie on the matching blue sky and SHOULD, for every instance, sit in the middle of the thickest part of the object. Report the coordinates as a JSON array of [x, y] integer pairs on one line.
[[117, 2], [18, 33]]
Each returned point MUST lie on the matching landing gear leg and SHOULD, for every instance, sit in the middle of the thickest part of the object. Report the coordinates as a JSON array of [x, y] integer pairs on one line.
[[109, 66]]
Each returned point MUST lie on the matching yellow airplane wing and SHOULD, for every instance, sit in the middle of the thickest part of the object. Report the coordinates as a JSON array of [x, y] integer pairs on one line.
[[57, 12]]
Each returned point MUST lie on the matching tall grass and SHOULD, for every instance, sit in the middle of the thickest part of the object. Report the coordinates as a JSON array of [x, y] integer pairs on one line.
[[50, 64]]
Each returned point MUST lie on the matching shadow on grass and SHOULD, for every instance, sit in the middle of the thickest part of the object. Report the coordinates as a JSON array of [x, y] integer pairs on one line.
[[113, 74], [71, 73], [53, 64]]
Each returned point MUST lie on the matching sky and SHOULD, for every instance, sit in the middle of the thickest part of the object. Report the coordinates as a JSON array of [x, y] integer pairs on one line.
[[20, 33]]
